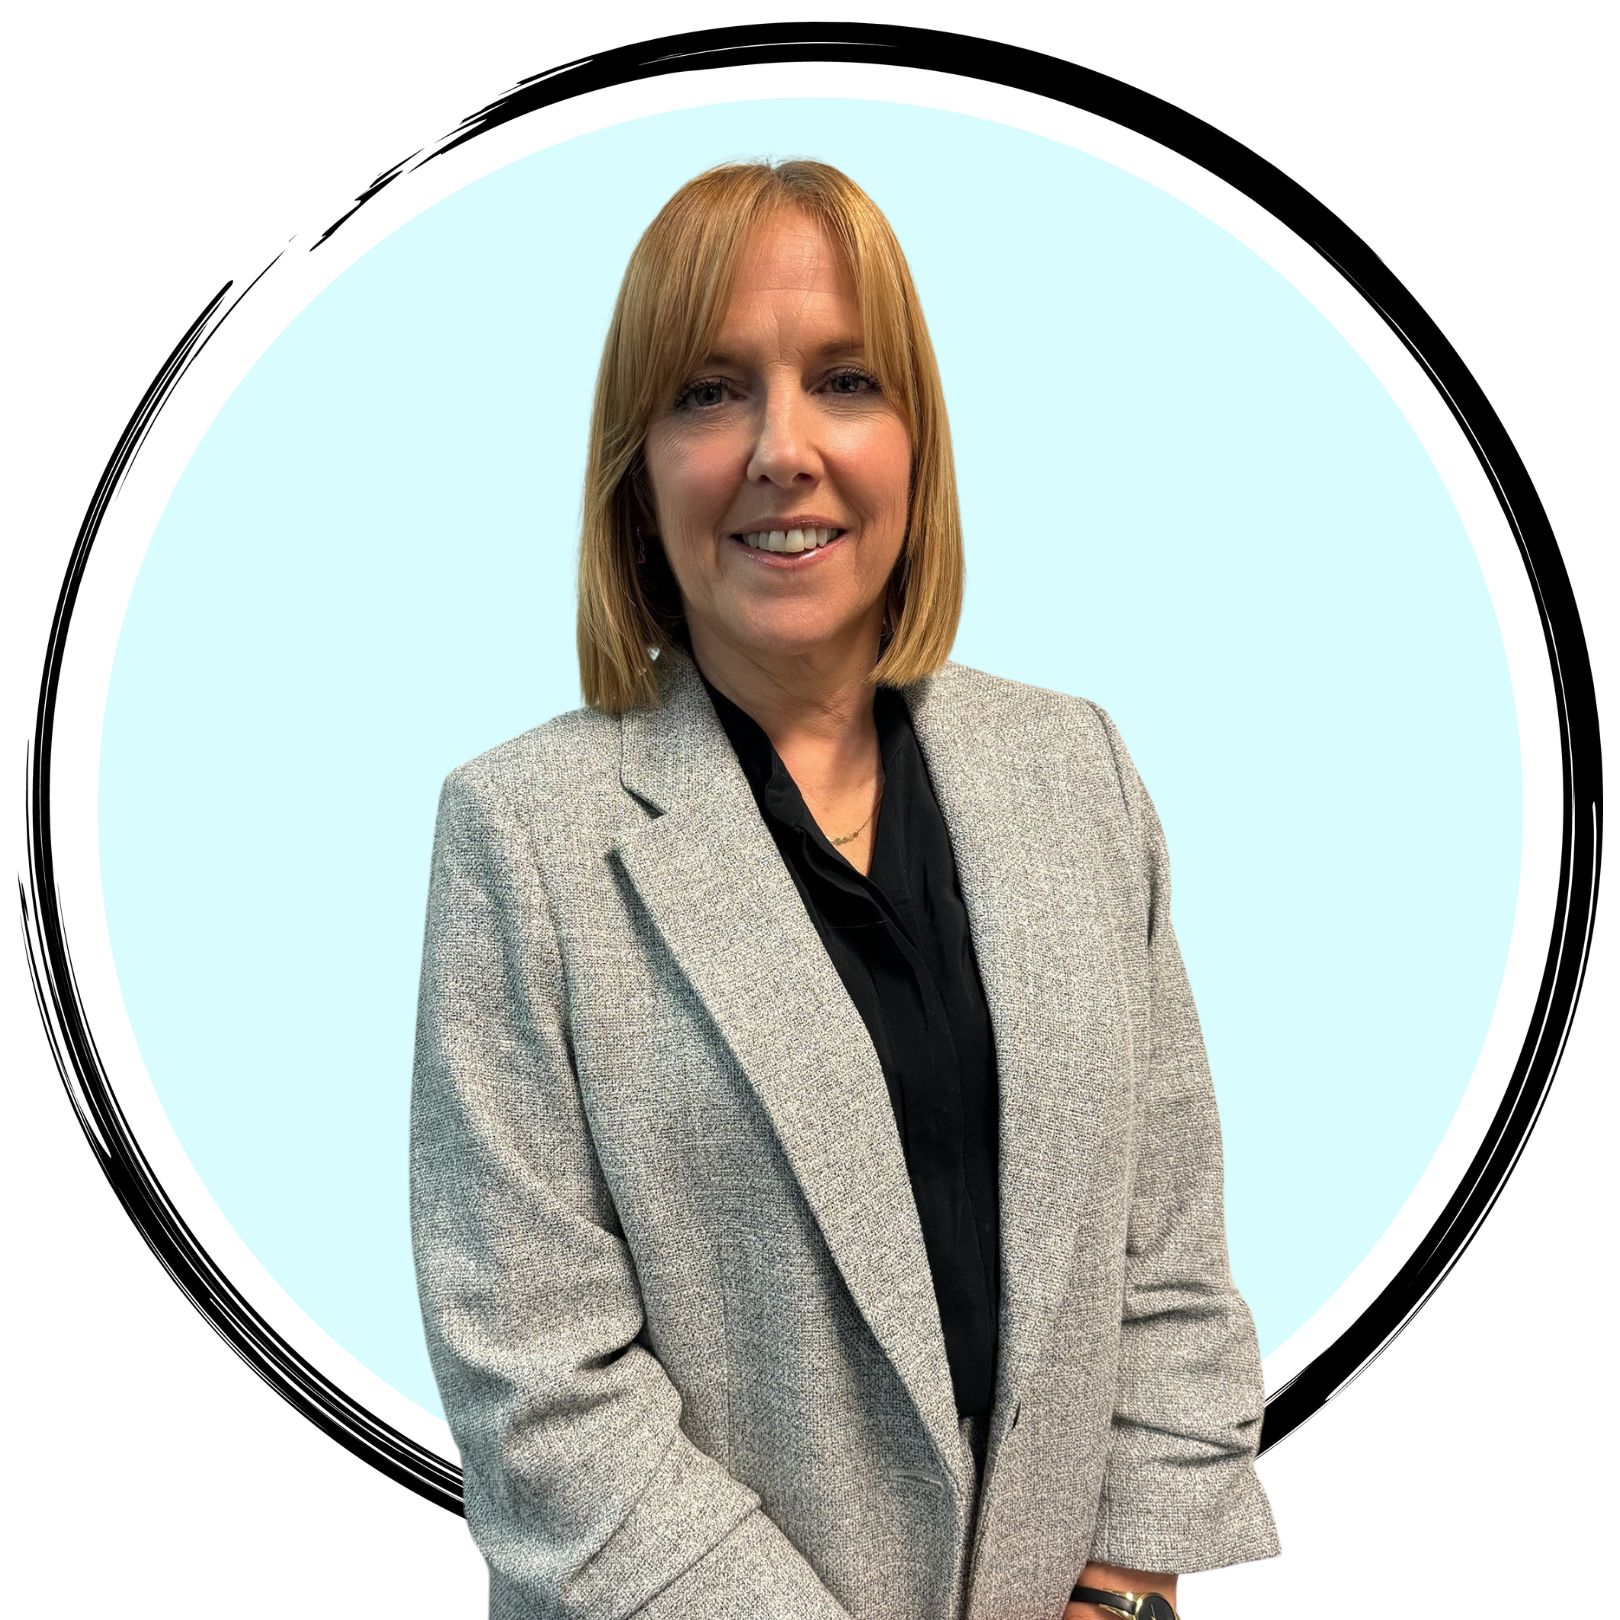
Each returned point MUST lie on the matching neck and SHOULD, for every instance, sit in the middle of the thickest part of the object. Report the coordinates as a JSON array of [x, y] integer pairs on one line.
[[814, 704]]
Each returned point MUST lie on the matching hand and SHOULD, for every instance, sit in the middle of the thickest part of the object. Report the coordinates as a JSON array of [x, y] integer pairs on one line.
[[1116, 1578]]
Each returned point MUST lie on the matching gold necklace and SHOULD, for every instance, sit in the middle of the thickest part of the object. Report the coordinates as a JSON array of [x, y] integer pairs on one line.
[[862, 828]]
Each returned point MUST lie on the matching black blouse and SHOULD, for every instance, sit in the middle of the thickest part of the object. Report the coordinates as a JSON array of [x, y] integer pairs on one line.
[[900, 940]]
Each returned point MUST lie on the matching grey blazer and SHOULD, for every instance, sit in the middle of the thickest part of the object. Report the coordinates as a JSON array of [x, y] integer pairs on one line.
[[672, 1278]]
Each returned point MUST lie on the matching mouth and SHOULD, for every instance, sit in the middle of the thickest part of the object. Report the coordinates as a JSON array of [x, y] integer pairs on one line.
[[788, 547]]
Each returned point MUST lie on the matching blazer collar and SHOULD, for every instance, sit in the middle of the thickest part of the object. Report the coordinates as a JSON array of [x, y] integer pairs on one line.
[[714, 884]]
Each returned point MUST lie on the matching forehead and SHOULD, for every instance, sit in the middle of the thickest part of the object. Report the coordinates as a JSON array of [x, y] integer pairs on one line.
[[792, 287], [792, 243], [792, 252]]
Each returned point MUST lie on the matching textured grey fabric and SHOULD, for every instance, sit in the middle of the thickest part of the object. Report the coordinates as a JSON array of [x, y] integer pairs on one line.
[[672, 1279]]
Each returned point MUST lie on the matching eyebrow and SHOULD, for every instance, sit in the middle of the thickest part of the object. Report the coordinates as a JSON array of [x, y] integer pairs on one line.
[[838, 345]]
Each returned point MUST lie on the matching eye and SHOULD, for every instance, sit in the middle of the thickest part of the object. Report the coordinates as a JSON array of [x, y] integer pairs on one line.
[[683, 400], [699, 395], [854, 374]]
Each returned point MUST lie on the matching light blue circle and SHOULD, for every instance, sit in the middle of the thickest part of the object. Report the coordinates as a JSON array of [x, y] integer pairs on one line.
[[1184, 496]]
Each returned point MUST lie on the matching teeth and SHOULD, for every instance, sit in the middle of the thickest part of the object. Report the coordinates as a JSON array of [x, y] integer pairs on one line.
[[790, 539]]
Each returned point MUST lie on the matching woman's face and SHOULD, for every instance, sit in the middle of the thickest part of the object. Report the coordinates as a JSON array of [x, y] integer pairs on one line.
[[782, 423]]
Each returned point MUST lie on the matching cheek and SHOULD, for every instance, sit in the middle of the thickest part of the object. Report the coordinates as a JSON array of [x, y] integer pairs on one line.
[[700, 484], [885, 460], [705, 493]]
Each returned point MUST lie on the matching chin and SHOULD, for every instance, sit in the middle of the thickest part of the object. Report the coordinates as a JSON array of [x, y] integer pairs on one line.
[[797, 640]]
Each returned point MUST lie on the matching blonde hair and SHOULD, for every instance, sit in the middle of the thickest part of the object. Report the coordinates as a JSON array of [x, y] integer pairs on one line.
[[671, 304]]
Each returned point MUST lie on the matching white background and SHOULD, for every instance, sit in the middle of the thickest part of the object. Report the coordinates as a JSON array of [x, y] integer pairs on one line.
[[154, 152]]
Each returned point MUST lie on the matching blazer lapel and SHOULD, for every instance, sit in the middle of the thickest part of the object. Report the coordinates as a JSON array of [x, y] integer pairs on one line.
[[712, 880], [1052, 980]]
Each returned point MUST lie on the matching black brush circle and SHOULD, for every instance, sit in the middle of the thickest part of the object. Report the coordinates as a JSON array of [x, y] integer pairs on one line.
[[90, 1088]]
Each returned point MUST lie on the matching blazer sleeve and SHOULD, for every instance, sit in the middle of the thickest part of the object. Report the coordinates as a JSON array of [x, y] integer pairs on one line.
[[582, 1492], [1180, 1491]]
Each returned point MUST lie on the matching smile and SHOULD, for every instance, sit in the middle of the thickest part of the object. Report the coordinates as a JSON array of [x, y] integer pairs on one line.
[[789, 548]]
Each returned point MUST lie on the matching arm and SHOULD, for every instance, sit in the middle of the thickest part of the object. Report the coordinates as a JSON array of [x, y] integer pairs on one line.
[[1180, 1491], [582, 1492]]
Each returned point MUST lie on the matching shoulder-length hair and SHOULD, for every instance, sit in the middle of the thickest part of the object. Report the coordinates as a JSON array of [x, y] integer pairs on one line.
[[671, 304]]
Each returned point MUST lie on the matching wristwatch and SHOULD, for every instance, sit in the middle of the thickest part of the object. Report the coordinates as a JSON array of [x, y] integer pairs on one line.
[[1137, 1605]]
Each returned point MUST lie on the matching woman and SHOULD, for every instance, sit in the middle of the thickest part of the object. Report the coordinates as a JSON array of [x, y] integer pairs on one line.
[[816, 1179]]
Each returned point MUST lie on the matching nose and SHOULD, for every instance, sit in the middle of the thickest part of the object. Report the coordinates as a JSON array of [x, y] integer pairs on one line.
[[786, 443]]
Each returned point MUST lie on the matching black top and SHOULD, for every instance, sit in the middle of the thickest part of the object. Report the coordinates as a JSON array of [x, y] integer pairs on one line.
[[900, 940]]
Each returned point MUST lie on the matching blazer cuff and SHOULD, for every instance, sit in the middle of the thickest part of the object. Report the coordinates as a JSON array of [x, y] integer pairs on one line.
[[1174, 1525]]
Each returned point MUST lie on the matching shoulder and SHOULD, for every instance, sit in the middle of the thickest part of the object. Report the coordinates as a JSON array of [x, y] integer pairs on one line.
[[1039, 720], [1013, 697], [559, 764]]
